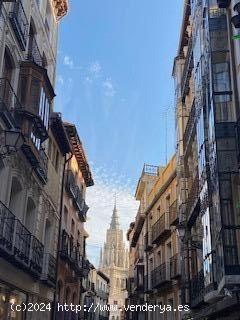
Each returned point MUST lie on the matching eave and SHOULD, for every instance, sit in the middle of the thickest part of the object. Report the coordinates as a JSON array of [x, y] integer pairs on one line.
[[60, 8], [79, 153]]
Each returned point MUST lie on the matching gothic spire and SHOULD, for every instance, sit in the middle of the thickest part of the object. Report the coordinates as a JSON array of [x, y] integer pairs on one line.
[[115, 219]]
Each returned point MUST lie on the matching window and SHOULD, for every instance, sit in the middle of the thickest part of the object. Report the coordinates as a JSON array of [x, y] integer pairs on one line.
[[115, 302]]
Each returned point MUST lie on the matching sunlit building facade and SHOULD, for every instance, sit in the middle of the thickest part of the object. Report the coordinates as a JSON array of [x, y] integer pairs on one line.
[[29, 209], [207, 108]]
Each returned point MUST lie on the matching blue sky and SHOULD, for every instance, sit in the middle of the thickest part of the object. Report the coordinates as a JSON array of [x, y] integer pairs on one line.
[[114, 82]]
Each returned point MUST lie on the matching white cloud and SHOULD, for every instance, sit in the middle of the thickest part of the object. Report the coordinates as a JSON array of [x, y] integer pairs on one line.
[[108, 88], [87, 79], [60, 79], [68, 61], [100, 199], [95, 69]]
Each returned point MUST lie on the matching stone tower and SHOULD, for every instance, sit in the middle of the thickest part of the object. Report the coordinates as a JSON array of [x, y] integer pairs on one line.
[[114, 262]]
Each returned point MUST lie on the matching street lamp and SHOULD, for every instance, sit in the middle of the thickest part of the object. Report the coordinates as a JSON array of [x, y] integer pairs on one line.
[[10, 142], [183, 235]]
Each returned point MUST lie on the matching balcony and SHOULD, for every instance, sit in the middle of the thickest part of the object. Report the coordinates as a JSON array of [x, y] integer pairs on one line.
[[190, 127], [161, 275], [71, 254], [36, 157], [15, 115], [9, 103], [139, 278], [173, 214], [19, 23], [175, 267], [139, 254], [49, 270], [193, 197], [130, 286], [77, 196], [150, 170], [139, 222], [197, 290], [102, 294], [18, 245], [147, 284], [148, 241], [188, 66], [34, 54], [161, 229]]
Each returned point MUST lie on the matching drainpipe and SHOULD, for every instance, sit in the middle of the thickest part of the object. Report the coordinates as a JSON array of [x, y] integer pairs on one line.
[[53, 317]]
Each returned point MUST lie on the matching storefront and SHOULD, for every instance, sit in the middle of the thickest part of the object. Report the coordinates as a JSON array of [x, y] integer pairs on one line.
[[11, 300]]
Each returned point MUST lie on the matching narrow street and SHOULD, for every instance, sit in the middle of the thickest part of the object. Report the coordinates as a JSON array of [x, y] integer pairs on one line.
[[119, 160]]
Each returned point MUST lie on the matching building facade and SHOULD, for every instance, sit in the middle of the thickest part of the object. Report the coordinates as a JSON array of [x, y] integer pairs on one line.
[[29, 210], [114, 263], [206, 73], [136, 283], [73, 265], [156, 268]]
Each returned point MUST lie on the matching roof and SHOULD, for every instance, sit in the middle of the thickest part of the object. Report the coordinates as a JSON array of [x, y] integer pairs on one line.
[[59, 133], [78, 151], [103, 275], [186, 14]]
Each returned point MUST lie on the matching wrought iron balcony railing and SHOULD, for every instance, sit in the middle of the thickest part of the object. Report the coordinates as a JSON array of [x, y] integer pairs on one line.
[[19, 22], [71, 253], [161, 229], [188, 66], [197, 290], [193, 196], [139, 277], [150, 170], [37, 256], [173, 214], [190, 127], [18, 245], [130, 285], [147, 284], [148, 241], [77, 196], [34, 54], [49, 270], [8, 99], [175, 266], [160, 275], [102, 294]]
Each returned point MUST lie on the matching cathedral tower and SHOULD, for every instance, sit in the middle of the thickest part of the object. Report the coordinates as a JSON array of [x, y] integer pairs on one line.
[[114, 262]]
